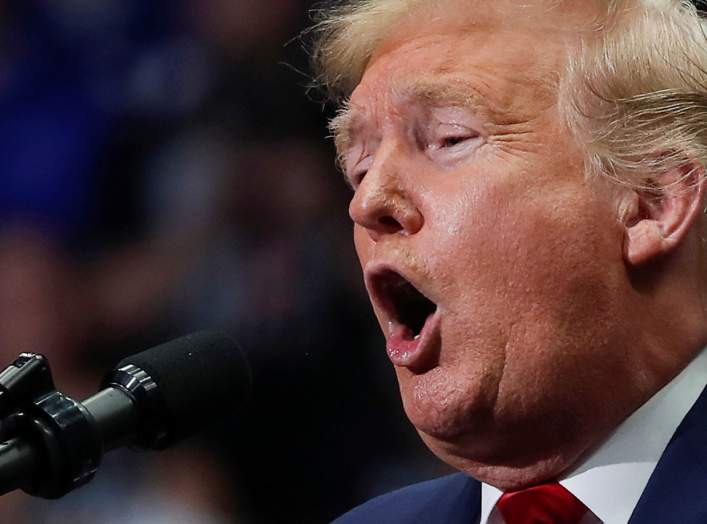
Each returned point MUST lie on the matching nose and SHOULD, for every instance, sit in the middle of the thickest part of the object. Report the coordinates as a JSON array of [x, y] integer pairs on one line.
[[383, 203]]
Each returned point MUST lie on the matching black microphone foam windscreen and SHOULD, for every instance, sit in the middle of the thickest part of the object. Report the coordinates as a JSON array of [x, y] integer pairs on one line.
[[200, 376]]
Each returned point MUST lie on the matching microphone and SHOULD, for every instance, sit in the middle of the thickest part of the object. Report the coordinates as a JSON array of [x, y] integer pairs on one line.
[[151, 400]]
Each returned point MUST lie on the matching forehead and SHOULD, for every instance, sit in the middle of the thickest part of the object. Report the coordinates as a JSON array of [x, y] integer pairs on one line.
[[495, 57]]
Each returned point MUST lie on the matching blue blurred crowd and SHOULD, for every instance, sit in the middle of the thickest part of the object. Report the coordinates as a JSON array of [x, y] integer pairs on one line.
[[162, 171]]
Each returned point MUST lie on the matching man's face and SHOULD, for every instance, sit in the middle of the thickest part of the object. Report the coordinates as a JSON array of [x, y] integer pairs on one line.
[[491, 261]]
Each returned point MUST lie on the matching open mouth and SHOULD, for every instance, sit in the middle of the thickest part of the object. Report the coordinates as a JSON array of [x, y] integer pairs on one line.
[[403, 303]]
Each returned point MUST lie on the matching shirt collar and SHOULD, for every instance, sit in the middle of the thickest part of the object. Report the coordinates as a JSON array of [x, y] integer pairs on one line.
[[611, 479]]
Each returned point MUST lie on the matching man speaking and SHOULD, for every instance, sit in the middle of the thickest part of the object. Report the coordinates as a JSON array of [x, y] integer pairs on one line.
[[529, 187]]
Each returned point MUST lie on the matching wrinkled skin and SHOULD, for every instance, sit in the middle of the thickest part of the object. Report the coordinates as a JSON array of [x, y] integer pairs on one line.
[[484, 205]]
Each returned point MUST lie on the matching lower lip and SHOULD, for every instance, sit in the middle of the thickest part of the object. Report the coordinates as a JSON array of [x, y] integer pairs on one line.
[[416, 354]]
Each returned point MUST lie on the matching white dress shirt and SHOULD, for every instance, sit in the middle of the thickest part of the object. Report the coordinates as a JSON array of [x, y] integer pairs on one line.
[[611, 479]]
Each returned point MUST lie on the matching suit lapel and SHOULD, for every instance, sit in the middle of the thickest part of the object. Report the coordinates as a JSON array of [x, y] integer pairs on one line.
[[677, 489]]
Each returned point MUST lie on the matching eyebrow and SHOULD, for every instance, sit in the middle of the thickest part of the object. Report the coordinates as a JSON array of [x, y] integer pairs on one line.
[[444, 91], [429, 91], [341, 128]]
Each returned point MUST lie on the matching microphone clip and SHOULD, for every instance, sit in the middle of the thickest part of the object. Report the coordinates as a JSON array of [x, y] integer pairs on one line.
[[50, 439]]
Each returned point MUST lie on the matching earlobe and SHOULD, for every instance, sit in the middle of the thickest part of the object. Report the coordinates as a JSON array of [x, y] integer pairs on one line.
[[656, 221]]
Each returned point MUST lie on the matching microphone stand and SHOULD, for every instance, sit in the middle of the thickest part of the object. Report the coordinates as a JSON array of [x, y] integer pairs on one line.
[[50, 442]]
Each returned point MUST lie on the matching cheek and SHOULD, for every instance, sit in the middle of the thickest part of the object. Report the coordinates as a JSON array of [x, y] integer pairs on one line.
[[510, 261], [523, 281], [474, 234], [505, 236]]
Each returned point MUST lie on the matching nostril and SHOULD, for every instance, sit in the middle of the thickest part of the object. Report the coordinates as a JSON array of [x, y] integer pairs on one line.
[[389, 223]]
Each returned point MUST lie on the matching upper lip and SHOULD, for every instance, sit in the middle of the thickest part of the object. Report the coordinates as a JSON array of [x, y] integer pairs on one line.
[[398, 297]]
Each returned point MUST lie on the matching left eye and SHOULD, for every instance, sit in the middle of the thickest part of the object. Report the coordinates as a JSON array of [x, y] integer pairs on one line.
[[452, 141]]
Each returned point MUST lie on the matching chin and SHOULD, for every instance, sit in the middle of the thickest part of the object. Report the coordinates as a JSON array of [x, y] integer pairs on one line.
[[441, 406], [470, 442], [439, 427], [481, 461]]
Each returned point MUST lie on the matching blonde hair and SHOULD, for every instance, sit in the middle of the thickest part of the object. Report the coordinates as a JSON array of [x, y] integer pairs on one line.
[[633, 93]]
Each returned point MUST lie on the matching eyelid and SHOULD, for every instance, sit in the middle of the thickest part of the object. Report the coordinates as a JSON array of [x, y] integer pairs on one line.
[[444, 132], [455, 127], [360, 169], [351, 157], [451, 130], [356, 161]]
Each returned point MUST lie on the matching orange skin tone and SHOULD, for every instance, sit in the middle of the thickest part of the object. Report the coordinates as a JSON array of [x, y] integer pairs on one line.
[[548, 336]]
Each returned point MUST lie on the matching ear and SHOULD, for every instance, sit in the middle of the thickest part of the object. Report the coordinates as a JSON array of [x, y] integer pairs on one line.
[[657, 220]]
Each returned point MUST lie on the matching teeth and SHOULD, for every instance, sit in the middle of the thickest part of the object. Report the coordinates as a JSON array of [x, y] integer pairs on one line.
[[417, 337]]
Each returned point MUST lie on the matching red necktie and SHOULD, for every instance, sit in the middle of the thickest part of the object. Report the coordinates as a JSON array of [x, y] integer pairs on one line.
[[543, 504]]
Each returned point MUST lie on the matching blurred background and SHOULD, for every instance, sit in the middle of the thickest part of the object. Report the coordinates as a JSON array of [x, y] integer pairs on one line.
[[163, 170]]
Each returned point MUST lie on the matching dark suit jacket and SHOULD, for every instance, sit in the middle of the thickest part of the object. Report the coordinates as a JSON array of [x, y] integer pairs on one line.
[[676, 492]]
